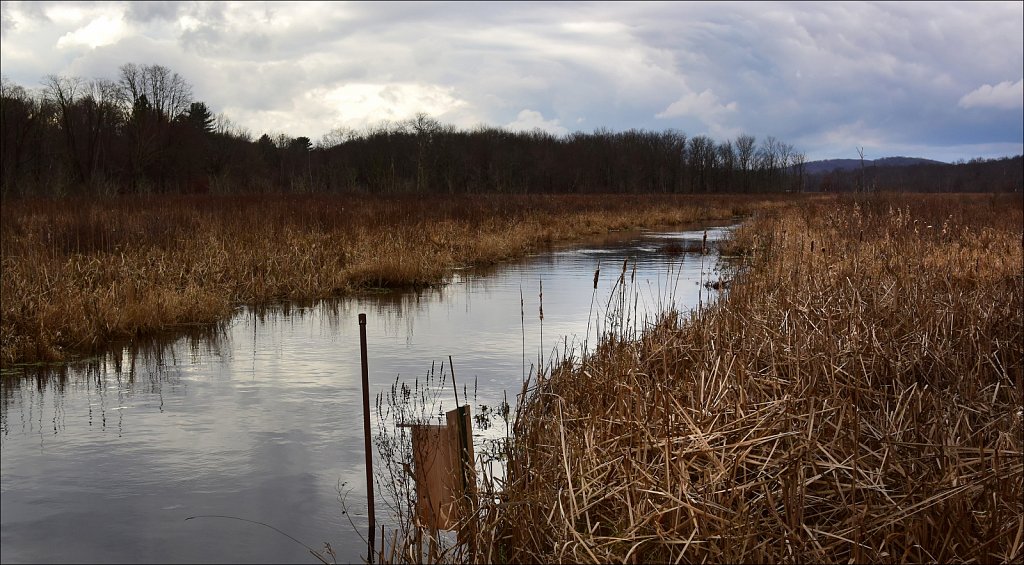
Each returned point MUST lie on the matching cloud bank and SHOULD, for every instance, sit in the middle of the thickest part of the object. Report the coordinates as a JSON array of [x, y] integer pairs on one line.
[[938, 80], [1004, 96]]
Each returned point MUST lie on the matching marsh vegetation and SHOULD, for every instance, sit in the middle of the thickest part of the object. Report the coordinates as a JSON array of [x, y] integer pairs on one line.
[[79, 273], [856, 397], [855, 393]]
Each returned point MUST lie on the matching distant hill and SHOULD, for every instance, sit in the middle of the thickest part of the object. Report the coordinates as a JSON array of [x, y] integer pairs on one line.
[[907, 174], [829, 165]]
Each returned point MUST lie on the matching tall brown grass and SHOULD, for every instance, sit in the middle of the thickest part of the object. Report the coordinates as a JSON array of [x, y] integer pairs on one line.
[[77, 274], [857, 396]]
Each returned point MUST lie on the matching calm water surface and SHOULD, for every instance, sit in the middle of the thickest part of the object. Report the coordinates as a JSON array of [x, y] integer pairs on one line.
[[103, 461]]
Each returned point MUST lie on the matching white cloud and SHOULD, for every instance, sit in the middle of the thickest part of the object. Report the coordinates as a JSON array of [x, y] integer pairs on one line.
[[596, 28], [64, 13], [358, 105], [102, 30], [1005, 95], [529, 120], [853, 134], [703, 106]]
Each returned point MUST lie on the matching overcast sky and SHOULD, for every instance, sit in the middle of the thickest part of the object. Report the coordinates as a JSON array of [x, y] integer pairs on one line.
[[928, 79]]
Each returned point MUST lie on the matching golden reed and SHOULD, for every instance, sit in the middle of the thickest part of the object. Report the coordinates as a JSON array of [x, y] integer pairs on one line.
[[856, 397], [80, 273]]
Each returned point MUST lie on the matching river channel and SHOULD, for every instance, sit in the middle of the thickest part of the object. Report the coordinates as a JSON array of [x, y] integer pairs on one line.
[[261, 418]]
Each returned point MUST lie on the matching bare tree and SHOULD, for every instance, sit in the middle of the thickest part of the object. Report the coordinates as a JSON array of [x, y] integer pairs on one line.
[[745, 157], [425, 128], [100, 117], [222, 125], [165, 92], [784, 155], [860, 151], [153, 96], [727, 164], [702, 160], [20, 124], [64, 91], [336, 137], [798, 161], [768, 163]]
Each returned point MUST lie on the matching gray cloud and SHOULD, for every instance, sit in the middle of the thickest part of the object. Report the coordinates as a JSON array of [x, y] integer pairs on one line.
[[6, 22], [1005, 95], [827, 77], [150, 11]]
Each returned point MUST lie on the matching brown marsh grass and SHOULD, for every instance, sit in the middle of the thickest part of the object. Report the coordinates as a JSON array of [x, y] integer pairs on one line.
[[857, 396], [78, 274]]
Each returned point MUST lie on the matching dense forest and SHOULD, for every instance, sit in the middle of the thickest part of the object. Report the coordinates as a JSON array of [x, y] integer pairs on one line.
[[145, 133]]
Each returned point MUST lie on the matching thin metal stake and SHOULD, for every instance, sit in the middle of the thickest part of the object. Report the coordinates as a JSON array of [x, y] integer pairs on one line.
[[366, 433]]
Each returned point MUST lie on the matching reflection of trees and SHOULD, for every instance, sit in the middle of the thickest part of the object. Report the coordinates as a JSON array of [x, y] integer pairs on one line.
[[341, 313], [148, 365], [141, 366]]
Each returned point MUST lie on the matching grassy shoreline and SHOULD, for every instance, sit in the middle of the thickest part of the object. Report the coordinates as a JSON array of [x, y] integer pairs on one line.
[[79, 274], [857, 397]]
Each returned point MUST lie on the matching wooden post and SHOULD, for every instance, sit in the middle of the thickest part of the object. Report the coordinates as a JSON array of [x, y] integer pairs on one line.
[[368, 446], [459, 421]]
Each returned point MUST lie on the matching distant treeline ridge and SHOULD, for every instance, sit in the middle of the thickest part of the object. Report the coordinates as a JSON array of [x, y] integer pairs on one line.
[[144, 133]]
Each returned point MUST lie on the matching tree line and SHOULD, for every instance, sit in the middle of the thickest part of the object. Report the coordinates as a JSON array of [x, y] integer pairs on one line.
[[140, 133], [977, 175], [145, 133]]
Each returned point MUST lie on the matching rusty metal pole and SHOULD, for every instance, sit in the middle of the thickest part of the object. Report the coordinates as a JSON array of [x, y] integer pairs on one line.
[[366, 433]]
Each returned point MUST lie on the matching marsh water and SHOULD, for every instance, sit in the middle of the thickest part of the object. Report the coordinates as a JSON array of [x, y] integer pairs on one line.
[[260, 419]]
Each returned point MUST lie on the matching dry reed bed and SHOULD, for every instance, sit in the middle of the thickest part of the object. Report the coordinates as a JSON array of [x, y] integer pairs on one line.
[[77, 274], [857, 397]]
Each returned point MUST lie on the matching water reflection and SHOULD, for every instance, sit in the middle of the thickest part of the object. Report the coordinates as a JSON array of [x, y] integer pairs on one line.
[[260, 417], [108, 382]]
